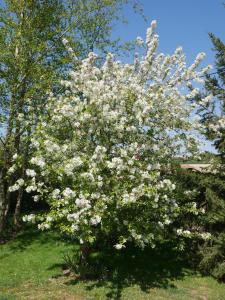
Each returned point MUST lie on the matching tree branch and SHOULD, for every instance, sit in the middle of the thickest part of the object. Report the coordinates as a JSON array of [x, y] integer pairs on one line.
[[2, 141]]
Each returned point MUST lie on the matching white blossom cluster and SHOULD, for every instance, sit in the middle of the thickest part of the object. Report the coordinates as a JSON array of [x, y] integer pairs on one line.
[[189, 234], [102, 151]]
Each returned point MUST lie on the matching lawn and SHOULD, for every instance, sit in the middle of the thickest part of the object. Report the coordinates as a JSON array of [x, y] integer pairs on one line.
[[31, 268]]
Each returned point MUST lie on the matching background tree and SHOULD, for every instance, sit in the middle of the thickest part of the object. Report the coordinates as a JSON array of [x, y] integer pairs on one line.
[[216, 85], [212, 185], [33, 60], [213, 252]]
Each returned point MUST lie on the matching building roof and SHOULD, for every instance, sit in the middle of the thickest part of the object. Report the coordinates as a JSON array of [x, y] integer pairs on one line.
[[196, 167]]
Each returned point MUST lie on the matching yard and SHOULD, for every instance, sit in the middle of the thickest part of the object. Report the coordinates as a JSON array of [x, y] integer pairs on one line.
[[31, 267]]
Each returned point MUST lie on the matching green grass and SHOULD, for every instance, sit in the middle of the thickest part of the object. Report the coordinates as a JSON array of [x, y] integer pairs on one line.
[[31, 268]]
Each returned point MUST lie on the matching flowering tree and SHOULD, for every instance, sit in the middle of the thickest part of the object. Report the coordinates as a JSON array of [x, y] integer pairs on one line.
[[102, 152]]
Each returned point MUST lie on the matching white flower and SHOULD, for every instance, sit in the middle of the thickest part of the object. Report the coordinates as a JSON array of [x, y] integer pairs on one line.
[[206, 235], [35, 143], [139, 41], [74, 227], [30, 173], [36, 198], [14, 188], [38, 161], [186, 233], [202, 210], [55, 193], [156, 198], [20, 182], [12, 169], [40, 227], [50, 147], [95, 220], [64, 41], [15, 156], [173, 186], [29, 218], [31, 188], [167, 221], [46, 225], [179, 231], [119, 246], [49, 219], [68, 193], [82, 203], [72, 164], [74, 216], [100, 184], [153, 24], [95, 195], [160, 224]]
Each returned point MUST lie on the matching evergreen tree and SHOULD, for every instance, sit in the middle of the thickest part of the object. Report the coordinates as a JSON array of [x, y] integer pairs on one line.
[[209, 195], [216, 85], [212, 253]]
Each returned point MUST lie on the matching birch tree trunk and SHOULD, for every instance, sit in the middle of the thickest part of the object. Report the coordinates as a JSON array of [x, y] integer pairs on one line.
[[3, 203], [18, 209]]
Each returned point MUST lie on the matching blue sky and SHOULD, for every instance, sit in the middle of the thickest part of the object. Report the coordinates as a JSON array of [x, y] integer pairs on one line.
[[183, 23]]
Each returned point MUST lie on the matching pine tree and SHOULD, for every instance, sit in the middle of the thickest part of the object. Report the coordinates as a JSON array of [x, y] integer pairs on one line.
[[212, 253], [216, 85]]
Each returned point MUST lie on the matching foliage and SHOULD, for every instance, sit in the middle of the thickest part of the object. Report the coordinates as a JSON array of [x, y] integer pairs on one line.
[[103, 150], [27, 29], [91, 23]]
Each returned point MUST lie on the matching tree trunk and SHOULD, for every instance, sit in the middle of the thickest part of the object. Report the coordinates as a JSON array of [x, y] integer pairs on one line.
[[3, 203], [21, 190], [18, 209]]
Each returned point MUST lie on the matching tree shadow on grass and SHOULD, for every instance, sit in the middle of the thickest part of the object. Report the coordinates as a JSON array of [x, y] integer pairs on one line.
[[150, 268], [28, 236], [31, 235]]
